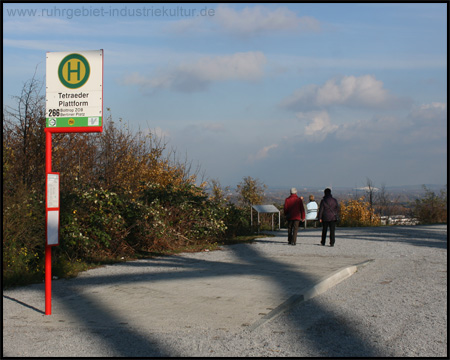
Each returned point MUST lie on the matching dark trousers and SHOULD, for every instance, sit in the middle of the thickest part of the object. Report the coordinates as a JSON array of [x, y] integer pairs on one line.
[[325, 225], [292, 231]]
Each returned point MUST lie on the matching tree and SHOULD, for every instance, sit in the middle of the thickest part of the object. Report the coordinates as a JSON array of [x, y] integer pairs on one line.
[[218, 194], [250, 191], [383, 200], [23, 137], [370, 189], [432, 208]]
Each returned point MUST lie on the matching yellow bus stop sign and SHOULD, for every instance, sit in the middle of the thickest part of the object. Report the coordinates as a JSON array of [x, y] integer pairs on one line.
[[74, 91]]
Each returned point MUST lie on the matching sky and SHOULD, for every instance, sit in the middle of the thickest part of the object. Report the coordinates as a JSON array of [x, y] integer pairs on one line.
[[297, 94]]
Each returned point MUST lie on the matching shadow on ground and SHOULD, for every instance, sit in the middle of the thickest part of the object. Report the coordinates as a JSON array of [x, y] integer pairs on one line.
[[124, 340]]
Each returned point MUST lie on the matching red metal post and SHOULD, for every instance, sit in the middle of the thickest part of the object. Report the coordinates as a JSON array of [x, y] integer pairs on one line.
[[48, 249]]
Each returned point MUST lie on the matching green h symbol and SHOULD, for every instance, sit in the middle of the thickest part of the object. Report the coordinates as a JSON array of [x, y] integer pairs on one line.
[[78, 70]]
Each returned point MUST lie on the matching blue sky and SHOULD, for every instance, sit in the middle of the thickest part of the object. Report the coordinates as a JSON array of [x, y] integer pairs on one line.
[[292, 94]]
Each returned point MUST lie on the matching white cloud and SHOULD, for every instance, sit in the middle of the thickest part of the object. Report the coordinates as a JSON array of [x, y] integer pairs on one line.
[[247, 66], [248, 22], [160, 133], [262, 153], [350, 91], [377, 131], [319, 125], [197, 76], [261, 20], [430, 111], [213, 127], [428, 123]]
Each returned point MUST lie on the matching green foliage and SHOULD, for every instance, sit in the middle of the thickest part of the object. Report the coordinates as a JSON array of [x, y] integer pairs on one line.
[[97, 223], [237, 220], [64, 266], [91, 223], [183, 213], [23, 231], [432, 208], [171, 195]]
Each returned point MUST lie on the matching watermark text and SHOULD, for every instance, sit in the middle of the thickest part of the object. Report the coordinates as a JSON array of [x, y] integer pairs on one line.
[[112, 11]]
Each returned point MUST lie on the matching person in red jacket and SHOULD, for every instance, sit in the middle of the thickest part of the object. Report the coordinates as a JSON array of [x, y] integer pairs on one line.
[[294, 212]]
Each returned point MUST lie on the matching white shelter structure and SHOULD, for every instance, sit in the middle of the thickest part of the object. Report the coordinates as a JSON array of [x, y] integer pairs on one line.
[[265, 209]]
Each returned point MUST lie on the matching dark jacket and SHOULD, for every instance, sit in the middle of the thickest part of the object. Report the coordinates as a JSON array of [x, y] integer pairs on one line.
[[329, 209], [293, 208]]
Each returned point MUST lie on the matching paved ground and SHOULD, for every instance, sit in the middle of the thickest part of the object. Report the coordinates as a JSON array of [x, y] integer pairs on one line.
[[244, 287], [239, 288]]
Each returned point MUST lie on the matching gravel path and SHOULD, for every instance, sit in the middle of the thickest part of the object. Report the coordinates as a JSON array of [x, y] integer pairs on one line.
[[395, 306]]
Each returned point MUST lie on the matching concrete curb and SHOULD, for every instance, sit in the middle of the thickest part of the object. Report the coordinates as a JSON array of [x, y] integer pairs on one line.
[[323, 285]]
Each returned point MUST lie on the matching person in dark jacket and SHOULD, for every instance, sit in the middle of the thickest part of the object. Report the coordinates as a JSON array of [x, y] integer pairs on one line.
[[328, 216], [294, 212]]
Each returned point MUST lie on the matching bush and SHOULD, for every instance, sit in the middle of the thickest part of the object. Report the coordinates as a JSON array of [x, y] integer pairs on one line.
[[182, 214], [23, 234], [98, 223], [91, 224], [358, 213], [432, 208], [237, 220]]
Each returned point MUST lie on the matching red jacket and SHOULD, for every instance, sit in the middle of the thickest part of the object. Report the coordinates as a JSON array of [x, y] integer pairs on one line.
[[293, 208]]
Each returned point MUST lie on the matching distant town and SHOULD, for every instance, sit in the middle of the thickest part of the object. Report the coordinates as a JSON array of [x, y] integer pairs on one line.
[[399, 194]]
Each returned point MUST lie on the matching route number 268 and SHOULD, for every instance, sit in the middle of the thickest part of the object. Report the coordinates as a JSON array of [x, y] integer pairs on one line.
[[53, 112]]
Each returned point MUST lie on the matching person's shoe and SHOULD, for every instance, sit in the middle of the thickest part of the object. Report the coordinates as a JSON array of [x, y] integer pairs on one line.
[[323, 244], [331, 245]]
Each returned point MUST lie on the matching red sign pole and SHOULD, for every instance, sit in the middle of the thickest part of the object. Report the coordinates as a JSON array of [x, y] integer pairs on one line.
[[89, 119], [48, 249]]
